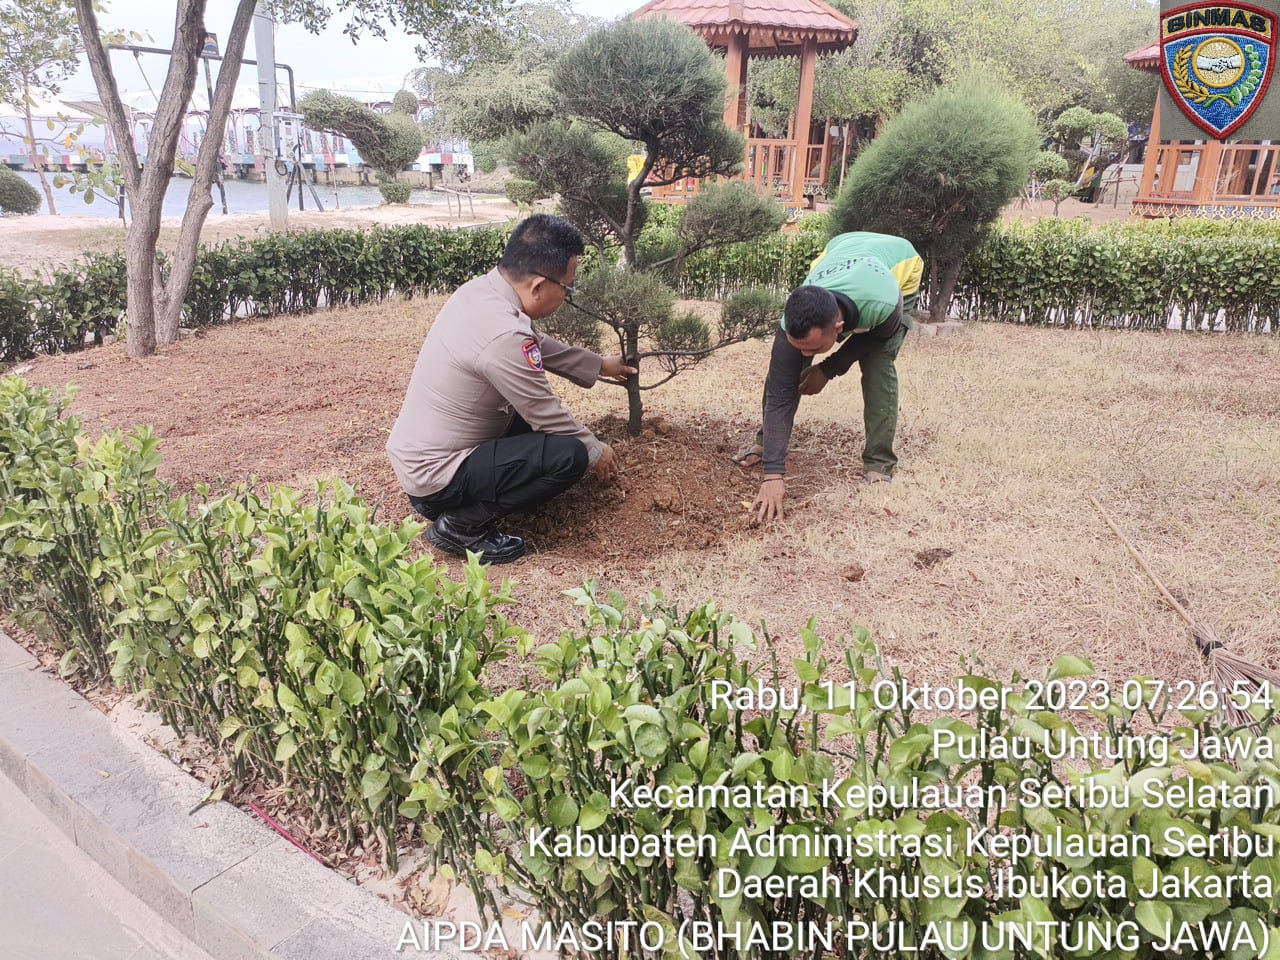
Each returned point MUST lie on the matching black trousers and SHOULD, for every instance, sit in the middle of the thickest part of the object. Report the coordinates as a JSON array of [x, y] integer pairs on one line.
[[513, 474]]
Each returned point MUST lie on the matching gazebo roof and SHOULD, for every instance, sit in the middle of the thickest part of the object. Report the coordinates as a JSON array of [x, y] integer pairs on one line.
[[1144, 58], [773, 27]]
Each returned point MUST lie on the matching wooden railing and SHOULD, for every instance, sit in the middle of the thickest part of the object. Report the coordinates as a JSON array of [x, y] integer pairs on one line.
[[771, 167], [1247, 172]]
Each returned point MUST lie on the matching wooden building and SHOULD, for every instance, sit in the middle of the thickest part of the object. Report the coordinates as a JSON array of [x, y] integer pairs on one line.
[[797, 165]]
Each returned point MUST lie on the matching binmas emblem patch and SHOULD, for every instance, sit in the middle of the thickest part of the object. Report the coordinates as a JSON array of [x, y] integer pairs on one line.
[[1217, 61], [532, 354]]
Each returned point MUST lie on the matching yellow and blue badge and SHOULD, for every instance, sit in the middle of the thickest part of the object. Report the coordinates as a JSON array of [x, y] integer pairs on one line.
[[532, 354], [1217, 61]]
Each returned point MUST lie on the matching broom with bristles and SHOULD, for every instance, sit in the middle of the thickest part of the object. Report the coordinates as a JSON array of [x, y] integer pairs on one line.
[[1232, 674]]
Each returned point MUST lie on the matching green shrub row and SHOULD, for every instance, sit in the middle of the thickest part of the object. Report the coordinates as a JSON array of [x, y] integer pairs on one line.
[[1203, 274], [780, 263], [1054, 273], [311, 645], [278, 274]]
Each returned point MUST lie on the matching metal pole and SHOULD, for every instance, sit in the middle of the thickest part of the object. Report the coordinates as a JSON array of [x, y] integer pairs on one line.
[[265, 49], [208, 83]]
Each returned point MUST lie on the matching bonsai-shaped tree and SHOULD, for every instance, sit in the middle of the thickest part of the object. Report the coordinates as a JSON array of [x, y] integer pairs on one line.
[[1093, 132], [652, 88], [388, 142], [1057, 191], [939, 175], [1047, 172]]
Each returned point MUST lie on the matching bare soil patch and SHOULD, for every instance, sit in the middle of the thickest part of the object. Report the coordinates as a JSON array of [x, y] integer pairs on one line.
[[269, 402]]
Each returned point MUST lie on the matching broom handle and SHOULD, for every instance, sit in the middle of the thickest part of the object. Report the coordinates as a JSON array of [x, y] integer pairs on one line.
[[1143, 563]]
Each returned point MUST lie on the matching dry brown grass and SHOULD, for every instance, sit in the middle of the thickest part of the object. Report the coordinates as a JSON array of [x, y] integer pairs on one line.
[[1004, 434]]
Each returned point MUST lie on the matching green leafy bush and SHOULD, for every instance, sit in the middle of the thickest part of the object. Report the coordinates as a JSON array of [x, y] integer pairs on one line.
[[1048, 165], [487, 154], [753, 312], [1056, 191], [17, 317], [1132, 276], [17, 197], [939, 175], [777, 262], [819, 223], [405, 102], [395, 192], [523, 193], [388, 142], [268, 276]]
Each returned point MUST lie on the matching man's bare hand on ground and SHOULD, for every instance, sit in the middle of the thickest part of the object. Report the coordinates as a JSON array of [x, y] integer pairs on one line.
[[614, 368], [812, 381], [606, 467], [768, 504]]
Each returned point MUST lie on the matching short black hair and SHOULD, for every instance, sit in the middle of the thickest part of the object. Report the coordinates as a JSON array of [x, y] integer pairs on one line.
[[541, 244], [809, 307]]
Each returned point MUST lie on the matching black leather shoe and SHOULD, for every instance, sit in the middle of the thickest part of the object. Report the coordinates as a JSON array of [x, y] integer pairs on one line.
[[492, 545]]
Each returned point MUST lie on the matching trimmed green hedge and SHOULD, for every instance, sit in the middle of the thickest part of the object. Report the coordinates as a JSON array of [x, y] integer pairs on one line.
[[309, 644], [286, 273], [1057, 273], [17, 197], [1063, 273]]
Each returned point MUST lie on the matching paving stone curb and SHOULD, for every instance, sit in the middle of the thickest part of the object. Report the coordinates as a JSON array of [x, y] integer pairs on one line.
[[226, 881], [947, 328]]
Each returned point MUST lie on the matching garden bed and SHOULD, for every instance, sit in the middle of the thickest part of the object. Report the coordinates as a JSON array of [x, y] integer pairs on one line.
[[1004, 433]]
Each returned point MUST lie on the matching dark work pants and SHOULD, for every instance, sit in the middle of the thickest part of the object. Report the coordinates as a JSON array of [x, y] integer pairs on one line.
[[513, 474], [877, 361]]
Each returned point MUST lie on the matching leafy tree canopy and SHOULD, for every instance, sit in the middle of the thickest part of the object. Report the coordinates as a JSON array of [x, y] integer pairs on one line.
[[1051, 54], [387, 142], [495, 77], [649, 88], [939, 175]]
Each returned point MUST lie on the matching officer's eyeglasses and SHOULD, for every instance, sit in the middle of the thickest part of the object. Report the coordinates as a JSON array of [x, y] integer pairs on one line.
[[566, 287]]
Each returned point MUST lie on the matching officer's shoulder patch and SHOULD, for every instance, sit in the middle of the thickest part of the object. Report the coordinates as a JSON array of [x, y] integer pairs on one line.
[[532, 353]]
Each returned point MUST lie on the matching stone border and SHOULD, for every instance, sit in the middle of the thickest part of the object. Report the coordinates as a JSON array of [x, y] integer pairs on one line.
[[222, 879], [947, 328]]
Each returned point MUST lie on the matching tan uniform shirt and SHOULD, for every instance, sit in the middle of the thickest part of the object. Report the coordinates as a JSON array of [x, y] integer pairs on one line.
[[481, 364]]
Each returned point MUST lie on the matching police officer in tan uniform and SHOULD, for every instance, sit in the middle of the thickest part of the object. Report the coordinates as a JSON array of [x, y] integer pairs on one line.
[[481, 434]]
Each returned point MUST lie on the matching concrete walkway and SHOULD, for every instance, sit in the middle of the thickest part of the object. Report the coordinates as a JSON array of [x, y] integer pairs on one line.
[[57, 904]]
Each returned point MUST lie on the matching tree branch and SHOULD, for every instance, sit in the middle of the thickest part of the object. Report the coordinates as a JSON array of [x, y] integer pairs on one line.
[[699, 354], [175, 95], [670, 376], [105, 80], [199, 200]]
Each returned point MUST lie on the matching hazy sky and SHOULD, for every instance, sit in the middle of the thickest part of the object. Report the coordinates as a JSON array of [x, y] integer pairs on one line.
[[329, 58]]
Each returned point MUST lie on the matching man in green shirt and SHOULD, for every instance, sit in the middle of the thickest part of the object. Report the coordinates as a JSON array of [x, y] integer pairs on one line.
[[858, 295]]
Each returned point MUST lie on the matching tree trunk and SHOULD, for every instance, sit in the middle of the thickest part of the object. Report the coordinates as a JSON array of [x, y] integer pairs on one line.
[[36, 160], [635, 402], [946, 290], [140, 266], [935, 288], [146, 188], [173, 295]]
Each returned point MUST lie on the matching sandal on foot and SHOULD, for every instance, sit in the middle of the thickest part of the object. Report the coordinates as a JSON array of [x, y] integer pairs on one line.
[[749, 456]]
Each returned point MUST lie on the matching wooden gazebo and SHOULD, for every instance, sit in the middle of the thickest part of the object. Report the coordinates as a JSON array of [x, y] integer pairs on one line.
[[1236, 179], [796, 165]]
